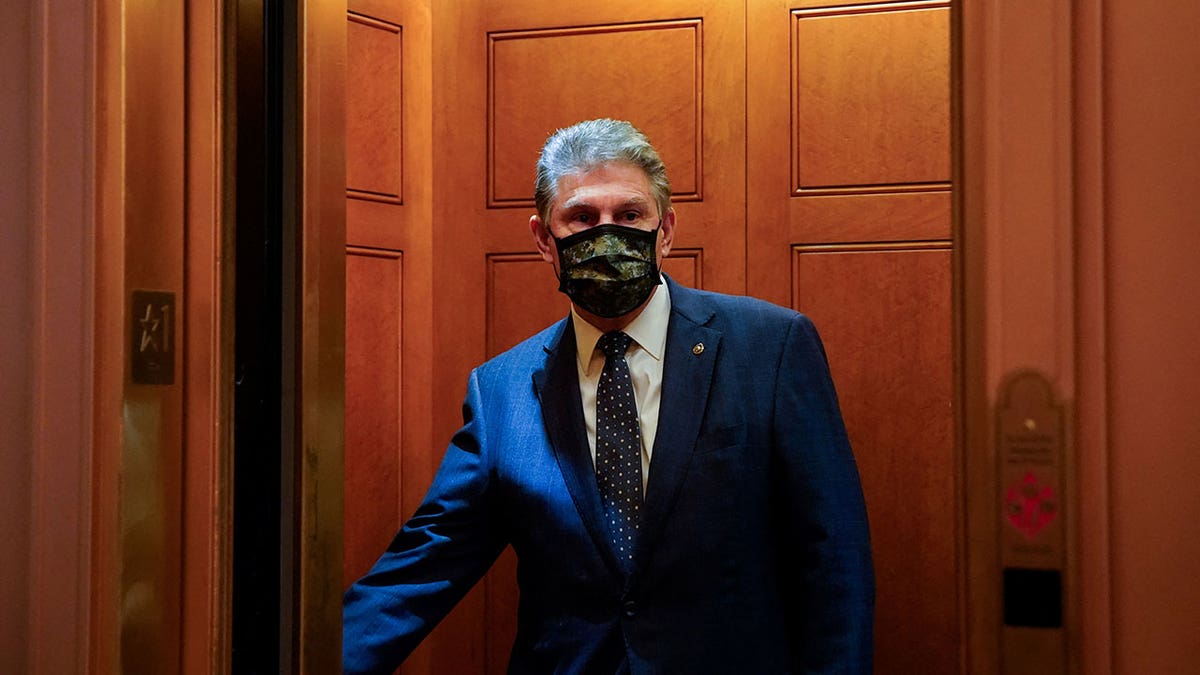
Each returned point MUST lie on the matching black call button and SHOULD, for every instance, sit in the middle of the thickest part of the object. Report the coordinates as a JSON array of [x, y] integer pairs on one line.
[[1032, 598]]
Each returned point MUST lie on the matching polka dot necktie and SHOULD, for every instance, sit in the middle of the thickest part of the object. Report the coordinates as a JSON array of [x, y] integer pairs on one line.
[[618, 445]]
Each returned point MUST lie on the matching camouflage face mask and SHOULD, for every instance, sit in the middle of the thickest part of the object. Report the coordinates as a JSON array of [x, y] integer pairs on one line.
[[609, 270]]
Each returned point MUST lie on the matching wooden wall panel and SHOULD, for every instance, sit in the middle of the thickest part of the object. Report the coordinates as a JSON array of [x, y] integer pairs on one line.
[[852, 142], [397, 12], [522, 297], [373, 406], [884, 313], [524, 64], [388, 119], [535, 67], [685, 266], [391, 454], [850, 220], [373, 105], [17, 449], [909, 216], [872, 96]]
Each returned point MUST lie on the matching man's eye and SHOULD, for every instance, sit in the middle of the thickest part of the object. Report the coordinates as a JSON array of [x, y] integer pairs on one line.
[[631, 216], [583, 218]]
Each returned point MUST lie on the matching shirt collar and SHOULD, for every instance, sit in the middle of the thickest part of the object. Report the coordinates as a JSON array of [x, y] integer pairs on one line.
[[648, 330]]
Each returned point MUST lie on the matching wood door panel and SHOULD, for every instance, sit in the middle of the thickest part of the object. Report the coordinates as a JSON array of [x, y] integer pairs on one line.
[[521, 62], [391, 11], [523, 299], [390, 454], [849, 204], [373, 110], [913, 216], [685, 266], [376, 224], [872, 96], [884, 314], [851, 143], [388, 143], [373, 471], [693, 112]]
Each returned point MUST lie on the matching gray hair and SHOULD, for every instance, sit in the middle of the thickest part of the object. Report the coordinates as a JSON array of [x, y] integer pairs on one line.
[[587, 145]]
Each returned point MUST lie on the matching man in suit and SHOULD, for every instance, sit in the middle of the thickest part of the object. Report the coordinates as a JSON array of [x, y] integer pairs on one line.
[[669, 465]]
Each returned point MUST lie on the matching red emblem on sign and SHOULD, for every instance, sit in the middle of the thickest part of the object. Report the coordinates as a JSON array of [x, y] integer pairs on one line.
[[1030, 506]]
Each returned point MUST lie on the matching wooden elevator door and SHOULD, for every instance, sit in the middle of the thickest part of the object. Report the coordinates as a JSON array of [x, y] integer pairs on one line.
[[849, 221], [808, 145]]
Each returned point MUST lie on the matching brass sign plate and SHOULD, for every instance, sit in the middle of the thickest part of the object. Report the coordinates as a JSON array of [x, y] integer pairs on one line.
[[1030, 449], [1030, 444], [152, 343]]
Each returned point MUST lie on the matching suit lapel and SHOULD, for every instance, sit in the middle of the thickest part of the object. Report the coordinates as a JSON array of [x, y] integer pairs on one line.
[[687, 378], [557, 389]]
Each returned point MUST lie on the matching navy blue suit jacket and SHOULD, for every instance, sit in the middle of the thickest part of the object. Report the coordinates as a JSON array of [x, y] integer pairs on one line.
[[753, 553]]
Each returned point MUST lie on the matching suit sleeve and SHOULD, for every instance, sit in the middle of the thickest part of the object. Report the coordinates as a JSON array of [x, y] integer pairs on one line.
[[824, 541], [433, 560]]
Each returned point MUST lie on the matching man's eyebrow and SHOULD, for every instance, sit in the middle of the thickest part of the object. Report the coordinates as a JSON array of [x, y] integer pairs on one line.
[[577, 202], [573, 203]]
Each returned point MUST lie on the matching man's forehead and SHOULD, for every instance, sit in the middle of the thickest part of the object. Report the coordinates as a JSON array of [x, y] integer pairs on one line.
[[619, 180]]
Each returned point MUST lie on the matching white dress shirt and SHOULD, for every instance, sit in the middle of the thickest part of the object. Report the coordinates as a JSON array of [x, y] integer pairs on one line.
[[645, 359]]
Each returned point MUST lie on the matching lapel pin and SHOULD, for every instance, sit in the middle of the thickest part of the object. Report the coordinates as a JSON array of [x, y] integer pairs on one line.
[[698, 349]]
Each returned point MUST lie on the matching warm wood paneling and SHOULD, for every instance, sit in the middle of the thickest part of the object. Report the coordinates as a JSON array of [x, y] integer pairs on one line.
[[676, 70], [396, 12], [373, 406], [64, 336], [523, 64], [872, 96], [850, 143], [909, 216], [391, 454], [388, 119], [884, 313], [685, 266], [850, 220], [1152, 235], [374, 148], [17, 340], [522, 297]]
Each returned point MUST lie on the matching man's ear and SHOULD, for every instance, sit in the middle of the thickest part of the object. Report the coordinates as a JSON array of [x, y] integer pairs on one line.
[[667, 236], [542, 238]]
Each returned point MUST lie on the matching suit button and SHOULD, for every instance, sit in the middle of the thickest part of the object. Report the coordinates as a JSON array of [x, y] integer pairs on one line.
[[630, 608]]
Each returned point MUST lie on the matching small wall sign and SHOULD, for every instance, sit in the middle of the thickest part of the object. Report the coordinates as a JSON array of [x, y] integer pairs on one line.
[[152, 347], [1033, 493]]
